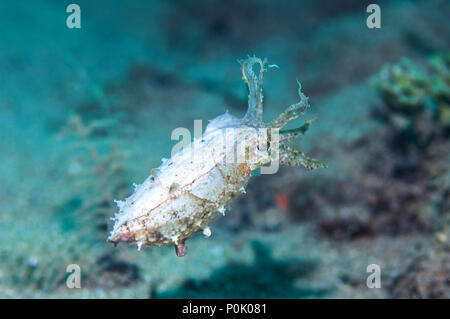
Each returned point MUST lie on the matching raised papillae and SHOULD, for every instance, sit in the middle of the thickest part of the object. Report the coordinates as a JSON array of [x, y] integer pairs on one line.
[[187, 191]]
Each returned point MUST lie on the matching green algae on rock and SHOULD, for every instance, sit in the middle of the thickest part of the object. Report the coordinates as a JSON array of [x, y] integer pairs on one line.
[[417, 99]]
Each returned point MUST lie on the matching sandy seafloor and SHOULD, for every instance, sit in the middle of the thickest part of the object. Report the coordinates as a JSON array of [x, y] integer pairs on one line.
[[85, 113]]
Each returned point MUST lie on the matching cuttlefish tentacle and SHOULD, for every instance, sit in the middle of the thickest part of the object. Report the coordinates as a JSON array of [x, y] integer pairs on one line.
[[292, 157], [296, 132], [292, 112], [255, 87]]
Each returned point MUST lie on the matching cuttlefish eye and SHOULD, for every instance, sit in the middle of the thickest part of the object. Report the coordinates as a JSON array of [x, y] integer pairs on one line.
[[262, 146]]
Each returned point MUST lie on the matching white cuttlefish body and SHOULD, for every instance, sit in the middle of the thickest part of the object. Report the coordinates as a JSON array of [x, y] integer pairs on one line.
[[186, 192]]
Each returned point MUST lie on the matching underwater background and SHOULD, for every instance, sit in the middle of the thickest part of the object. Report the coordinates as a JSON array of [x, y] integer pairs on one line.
[[86, 112]]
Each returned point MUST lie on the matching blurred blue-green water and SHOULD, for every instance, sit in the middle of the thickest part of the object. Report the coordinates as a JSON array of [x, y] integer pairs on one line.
[[86, 112]]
